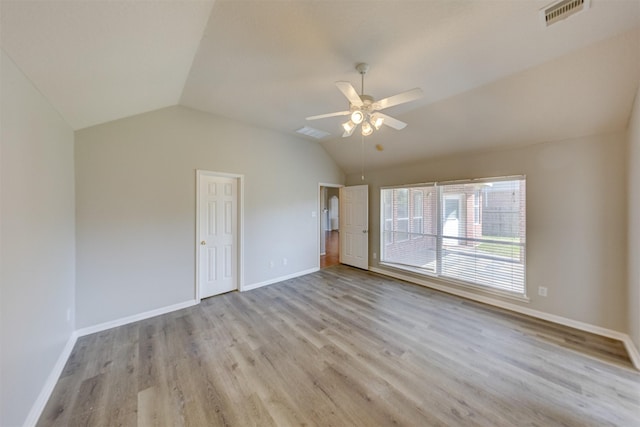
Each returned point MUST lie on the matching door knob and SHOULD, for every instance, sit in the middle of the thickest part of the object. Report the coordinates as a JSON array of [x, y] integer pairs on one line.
[[203, 243]]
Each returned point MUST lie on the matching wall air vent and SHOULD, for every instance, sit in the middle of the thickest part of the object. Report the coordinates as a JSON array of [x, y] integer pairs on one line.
[[563, 9]]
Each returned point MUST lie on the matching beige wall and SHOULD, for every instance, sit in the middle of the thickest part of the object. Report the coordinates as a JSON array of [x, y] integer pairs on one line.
[[135, 185], [576, 212], [634, 223], [36, 244]]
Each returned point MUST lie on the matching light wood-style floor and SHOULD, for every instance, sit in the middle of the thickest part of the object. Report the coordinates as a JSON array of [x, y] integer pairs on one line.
[[344, 347]]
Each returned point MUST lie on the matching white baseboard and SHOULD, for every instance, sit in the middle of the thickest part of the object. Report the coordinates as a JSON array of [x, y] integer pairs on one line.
[[136, 317], [587, 327], [279, 279], [49, 385]]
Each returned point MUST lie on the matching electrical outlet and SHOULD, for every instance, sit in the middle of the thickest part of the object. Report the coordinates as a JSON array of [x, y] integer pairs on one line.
[[68, 315], [271, 264], [284, 261], [542, 291], [375, 255]]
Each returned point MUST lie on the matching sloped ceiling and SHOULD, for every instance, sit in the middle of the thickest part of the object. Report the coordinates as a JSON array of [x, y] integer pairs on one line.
[[98, 61], [492, 74]]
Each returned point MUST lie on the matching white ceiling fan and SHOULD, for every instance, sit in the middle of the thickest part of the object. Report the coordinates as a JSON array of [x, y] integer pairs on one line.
[[365, 110]]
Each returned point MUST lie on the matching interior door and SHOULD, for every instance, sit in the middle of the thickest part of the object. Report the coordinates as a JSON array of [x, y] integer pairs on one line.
[[218, 235], [354, 226]]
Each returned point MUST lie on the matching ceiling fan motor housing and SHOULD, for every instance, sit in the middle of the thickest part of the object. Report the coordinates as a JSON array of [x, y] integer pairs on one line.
[[367, 104], [362, 68]]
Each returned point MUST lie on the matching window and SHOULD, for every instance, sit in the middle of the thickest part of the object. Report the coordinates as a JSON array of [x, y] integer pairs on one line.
[[472, 232], [399, 248]]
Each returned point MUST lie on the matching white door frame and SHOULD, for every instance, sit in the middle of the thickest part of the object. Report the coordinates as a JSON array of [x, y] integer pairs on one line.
[[240, 229], [319, 217]]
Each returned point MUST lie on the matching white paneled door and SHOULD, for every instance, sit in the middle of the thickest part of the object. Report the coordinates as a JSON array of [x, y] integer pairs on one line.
[[218, 234], [354, 226]]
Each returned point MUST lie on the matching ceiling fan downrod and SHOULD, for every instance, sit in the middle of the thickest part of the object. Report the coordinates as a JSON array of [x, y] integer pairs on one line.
[[362, 68]]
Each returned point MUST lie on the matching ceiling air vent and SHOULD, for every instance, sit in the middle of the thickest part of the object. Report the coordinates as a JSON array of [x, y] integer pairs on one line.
[[562, 9], [314, 133]]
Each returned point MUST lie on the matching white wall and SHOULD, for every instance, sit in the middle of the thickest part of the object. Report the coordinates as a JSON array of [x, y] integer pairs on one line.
[[37, 242], [135, 186], [576, 214], [634, 223]]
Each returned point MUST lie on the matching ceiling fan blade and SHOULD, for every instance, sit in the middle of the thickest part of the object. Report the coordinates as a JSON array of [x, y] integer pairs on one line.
[[391, 122], [349, 91], [324, 116], [401, 98]]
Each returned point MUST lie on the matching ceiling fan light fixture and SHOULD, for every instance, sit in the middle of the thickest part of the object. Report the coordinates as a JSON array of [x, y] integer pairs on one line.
[[347, 133], [357, 117], [367, 129], [377, 121], [349, 126]]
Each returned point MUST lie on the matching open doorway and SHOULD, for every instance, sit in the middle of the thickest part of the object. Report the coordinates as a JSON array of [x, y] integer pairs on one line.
[[329, 225]]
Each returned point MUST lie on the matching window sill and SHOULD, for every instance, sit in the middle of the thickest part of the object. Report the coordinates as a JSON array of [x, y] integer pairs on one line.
[[455, 284]]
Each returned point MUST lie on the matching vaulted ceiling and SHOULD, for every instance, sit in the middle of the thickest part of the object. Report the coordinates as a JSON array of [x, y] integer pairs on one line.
[[493, 75]]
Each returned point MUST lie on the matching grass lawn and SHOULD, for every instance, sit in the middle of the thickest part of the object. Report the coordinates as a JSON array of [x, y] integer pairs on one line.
[[505, 250]]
